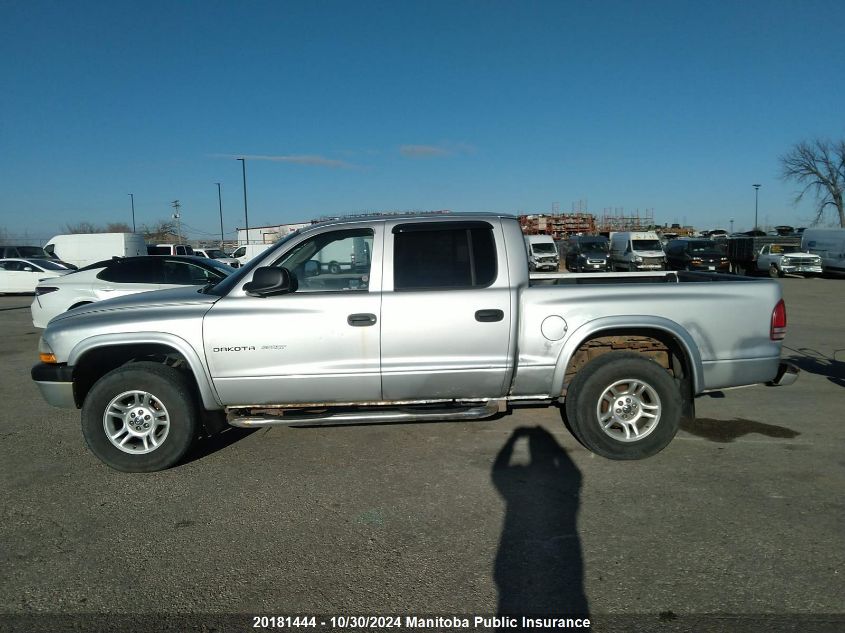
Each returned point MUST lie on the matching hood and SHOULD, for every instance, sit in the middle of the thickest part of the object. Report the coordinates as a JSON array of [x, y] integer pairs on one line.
[[800, 254], [708, 255], [595, 254], [183, 296]]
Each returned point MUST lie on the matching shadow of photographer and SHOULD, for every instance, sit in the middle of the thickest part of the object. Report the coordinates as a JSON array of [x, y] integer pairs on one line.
[[538, 567]]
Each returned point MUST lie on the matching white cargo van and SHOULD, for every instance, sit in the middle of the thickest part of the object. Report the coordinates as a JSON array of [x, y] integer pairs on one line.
[[82, 249], [636, 250], [542, 253], [245, 253], [829, 244]]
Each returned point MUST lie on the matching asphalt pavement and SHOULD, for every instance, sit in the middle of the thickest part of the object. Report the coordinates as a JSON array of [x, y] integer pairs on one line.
[[741, 517]]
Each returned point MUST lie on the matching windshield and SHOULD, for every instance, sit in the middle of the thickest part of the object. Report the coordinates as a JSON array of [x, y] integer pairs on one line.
[[219, 266], [646, 245], [705, 246], [233, 279], [543, 248], [48, 264], [32, 251], [594, 245]]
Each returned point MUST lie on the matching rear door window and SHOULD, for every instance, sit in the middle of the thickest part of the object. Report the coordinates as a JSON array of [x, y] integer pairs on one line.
[[138, 271], [447, 255]]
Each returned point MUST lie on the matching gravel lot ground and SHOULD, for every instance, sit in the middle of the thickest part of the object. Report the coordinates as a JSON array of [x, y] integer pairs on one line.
[[741, 516]]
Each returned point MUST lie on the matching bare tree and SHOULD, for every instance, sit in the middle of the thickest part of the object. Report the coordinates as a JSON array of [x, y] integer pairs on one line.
[[161, 231], [819, 166], [118, 227], [82, 227]]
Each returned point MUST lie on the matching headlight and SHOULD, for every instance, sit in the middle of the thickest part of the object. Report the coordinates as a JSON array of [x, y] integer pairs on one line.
[[43, 290], [637, 259], [45, 352]]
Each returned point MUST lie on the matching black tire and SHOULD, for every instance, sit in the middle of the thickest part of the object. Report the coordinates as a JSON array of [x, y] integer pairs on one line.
[[591, 382], [170, 388], [775, 272], [334, 268]]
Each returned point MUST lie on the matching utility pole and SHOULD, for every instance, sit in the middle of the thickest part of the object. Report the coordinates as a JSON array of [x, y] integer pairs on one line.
[[177, 217], [246, 212], [220, 204], [756, 192], [132, 197]]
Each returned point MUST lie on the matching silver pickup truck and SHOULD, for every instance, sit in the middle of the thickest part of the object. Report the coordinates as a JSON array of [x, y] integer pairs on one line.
[[436, 318]]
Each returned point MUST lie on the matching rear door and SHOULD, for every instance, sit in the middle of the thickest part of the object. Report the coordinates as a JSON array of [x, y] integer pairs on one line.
[[446, 311], [128, 276]]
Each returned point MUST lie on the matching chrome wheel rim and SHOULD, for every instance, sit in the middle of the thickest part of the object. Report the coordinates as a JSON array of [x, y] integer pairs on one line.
[[136, 422], [629, 410]]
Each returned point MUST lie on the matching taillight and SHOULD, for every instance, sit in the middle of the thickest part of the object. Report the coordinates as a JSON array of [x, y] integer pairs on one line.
[[43, 290], [778, 331]]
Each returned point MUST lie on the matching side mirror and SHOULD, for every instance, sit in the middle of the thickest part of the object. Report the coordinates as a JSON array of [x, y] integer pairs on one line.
[[269, 281], [311, 268]]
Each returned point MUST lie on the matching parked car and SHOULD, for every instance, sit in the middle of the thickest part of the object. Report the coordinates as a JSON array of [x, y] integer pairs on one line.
[[588, 253], [636, 250], [542, 253], [781, 259], [23, 275], [169, 249], [119, 277], [217, 255], [83, 249], [829, 244], [697, 254], [444, 323], [245, 253], [31, 252]]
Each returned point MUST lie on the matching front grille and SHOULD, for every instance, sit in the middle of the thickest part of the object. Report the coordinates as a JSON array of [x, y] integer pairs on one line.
[[595, 261], [800, 261], [652, 261]]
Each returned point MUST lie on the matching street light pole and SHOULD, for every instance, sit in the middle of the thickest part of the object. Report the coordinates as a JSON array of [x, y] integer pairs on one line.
[[132, 198], [220, 204], [246, 212], [732, 226], [756, 192]]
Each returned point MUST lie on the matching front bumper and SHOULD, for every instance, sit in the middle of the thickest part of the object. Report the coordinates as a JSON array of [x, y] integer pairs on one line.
[[802, 269], [55, 382]]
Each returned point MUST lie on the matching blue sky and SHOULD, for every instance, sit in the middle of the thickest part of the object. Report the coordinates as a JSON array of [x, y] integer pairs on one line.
[[347, 107]]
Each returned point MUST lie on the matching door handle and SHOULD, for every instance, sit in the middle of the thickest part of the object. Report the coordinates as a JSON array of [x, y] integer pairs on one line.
[[489, 316], [362, 319]]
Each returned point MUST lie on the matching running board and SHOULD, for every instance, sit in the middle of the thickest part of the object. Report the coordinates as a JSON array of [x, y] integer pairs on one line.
[[285, 416]]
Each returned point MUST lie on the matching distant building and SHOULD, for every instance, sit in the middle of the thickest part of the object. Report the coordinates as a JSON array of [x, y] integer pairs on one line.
[[268, 234]]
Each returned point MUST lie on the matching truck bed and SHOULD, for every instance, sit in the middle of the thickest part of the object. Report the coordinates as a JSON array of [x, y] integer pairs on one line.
[[658, 277]]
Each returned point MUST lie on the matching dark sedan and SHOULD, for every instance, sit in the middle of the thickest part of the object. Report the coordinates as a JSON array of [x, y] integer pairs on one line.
[[587, 253], [696, 254]]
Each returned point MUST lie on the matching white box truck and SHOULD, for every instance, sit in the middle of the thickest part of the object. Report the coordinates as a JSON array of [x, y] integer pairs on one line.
[[829, 244], [82, 249], [542, 253], [636, 250]]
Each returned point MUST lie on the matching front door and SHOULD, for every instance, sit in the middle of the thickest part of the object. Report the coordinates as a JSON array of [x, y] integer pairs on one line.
[[319, 344]]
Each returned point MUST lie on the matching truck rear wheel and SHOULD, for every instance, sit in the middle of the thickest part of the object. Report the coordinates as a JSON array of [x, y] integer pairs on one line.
[[141, 417], [624, 406]]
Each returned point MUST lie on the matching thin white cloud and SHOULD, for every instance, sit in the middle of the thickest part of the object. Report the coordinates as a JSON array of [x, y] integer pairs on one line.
[[313, 160], [433, 151]]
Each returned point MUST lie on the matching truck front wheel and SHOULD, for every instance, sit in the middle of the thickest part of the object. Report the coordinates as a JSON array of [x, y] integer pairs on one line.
[[624, 406], [141, 417]]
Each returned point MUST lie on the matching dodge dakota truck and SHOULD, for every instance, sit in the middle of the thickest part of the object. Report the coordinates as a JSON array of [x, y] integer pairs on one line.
[[441, 321]]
